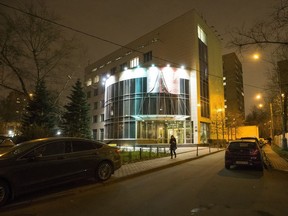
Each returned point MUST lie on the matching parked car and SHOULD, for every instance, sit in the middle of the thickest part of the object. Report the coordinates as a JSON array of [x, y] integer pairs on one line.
[[243, 153], [5, 143], [42, 163]]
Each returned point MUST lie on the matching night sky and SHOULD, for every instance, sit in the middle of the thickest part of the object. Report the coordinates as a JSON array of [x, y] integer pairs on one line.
[[123, 21]]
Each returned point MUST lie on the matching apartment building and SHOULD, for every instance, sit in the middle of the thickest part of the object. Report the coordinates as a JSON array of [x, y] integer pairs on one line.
[[233, 93]]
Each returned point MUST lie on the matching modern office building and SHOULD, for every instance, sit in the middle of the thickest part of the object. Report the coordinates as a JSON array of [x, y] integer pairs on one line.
[[169, 81], [233, 93]]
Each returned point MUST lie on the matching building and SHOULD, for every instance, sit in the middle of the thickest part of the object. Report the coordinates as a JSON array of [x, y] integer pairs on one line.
[[169, 81], [14, 106], [233, 93]]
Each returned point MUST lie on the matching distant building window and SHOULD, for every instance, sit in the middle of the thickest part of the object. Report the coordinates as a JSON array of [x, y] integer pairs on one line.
[[95, 91], [147, 56], [102, 103], [134, 62], [95, 105], [113, 71], [96, 79], [123, 66], [202, 35], [102, 118], [95, 119], [95, 134], [89, 94], [102, 134], [89, 82]]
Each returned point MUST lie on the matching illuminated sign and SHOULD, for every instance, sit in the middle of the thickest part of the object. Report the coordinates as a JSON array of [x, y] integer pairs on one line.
[[165, 80]]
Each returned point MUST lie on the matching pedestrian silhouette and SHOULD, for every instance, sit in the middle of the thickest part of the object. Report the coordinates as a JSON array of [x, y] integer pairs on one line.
[[173, 146]]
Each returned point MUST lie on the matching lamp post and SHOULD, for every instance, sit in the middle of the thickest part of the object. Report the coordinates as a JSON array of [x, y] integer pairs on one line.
[[284, 120]]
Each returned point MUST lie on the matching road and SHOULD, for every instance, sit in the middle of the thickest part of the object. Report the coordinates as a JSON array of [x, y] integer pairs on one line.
[[200, 187]]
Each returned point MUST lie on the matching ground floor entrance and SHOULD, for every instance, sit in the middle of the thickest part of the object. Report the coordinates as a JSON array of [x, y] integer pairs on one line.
[[160, 131]]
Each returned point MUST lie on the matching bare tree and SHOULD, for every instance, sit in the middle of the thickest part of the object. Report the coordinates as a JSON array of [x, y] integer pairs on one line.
[[32, 49], [271, 31]]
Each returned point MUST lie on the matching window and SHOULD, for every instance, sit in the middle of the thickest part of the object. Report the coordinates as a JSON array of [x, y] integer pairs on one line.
[[113, 71], [204, 78], [96, 79], [89, 82], [51, 149], [134, 62], [94, 134], [123, 66], [202, 35], [82, 146], [95, 119], [95, 105], [101, 134], [102, 118], [102, 103], [95, 91], [89, 94], [147, 56]]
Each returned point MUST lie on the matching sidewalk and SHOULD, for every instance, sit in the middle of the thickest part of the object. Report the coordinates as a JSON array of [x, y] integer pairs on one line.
[[185, 154], [274, 160]]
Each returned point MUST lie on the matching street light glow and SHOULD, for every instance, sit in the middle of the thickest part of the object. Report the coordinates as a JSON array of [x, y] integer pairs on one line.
[[256, 56]]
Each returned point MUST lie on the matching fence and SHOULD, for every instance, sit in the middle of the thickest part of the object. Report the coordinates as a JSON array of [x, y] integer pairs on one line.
[[149, 151]]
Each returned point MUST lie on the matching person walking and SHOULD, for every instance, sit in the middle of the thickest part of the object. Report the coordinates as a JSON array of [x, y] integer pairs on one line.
[[173, 146]]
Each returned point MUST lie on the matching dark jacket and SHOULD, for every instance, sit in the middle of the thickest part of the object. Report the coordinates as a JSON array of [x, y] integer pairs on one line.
[[173, 144]]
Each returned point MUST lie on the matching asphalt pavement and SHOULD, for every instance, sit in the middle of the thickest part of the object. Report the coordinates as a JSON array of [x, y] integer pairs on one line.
[[185, 154]]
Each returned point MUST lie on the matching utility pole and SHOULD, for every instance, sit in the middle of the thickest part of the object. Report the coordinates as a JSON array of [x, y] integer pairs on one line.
[[284, 120], [272, 121]]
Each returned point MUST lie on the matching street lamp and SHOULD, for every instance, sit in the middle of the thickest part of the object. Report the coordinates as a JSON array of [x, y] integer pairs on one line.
[[256, 56], [284, 119]]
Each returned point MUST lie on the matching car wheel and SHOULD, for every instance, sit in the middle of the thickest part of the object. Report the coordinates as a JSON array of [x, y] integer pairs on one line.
[[104, 171], [4, 193]]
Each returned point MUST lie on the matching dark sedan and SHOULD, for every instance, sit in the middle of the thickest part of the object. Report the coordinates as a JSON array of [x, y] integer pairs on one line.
[[243, 153], [41, 163]]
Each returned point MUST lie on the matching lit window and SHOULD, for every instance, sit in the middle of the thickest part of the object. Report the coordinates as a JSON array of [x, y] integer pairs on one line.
[[89, 82], [96, 79], [202, 35], [134, 62]]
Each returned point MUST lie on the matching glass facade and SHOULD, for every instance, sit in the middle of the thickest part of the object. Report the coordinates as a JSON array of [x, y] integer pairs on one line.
[[134, 112]]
